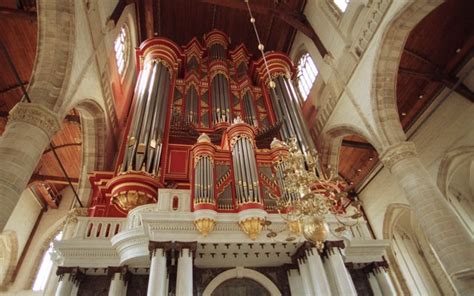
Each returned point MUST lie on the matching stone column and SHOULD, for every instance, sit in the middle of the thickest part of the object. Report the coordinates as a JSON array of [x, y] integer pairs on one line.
[[448, 237], [342, 280], [384, 281], [184, 277], [305, 277], [374, 285], [28, 132], [119, 277], [295, 281], [158, 271], [317, 272], [68, 277]]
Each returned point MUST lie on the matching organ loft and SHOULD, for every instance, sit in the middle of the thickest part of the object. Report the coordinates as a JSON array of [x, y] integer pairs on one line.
[[194, 196]]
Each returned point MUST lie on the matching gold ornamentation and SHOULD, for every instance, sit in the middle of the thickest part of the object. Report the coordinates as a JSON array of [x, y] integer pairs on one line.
[[309, 193], [205, 225], [128, 200], [315, 229], [252, 226]]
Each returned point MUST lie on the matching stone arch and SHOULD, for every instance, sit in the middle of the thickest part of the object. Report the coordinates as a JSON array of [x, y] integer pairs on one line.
[[54, 54], [384, 93], [332, 141], [95, 141], [241, 272], [42, 246], [392, 214], [456, 181], [450, 163], [8, 257]]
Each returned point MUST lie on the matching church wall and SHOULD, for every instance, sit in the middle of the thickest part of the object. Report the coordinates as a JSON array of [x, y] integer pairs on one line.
[[450, 126], [23, 219], [48, 227]]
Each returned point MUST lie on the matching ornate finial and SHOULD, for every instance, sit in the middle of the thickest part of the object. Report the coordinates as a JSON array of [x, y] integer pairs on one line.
[[276, 143], [238, 120], [204, 138]]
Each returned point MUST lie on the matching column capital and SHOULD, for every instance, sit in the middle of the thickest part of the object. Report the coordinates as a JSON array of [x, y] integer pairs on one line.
[[76, 275], [154, 245], [36, 115], [397, 152], [123, 270], [192, 246]]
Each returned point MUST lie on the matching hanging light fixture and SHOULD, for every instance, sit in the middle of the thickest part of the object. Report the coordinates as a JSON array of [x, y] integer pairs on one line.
[[308, 192]]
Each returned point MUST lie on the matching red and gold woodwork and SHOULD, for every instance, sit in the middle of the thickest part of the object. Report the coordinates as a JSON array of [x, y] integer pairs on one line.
[[202, 119]]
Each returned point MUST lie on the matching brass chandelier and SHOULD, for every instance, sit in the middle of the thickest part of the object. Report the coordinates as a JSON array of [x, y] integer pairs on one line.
[[308, 193]]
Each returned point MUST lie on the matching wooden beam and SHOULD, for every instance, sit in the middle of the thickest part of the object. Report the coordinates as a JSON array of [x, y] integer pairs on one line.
[[12, 87], [62, 146], [448, 81], [18, 13], [53, 179], [293, 18], [357, 145], [118, 10]]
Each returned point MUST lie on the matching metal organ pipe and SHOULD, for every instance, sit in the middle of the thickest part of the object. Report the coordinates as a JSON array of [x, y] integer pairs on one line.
[[245, 171], [148, 121], [204, 180]]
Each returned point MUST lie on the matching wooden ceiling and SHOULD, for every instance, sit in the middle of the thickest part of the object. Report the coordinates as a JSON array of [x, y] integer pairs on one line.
[[19, 39], [181, 20], [435, 51]]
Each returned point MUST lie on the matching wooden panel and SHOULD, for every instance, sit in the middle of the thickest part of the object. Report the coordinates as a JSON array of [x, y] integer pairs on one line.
[[178, 162]]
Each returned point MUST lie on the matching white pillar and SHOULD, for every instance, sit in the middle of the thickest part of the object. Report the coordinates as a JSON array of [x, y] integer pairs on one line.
[[317, 273], [384, 281], [65, 285], [374, 285], [184, 277], [296, 282], [28, 132], [341, 277], [305, 278], [157, 277], [117, 284], [329, 274]]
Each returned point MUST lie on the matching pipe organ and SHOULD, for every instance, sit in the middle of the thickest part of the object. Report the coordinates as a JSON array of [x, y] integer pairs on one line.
[[203, 118]]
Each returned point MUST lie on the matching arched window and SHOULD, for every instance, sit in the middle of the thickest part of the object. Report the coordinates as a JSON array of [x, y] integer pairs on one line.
[[341, 4], [46, 266], [307, 73], [121, 47]]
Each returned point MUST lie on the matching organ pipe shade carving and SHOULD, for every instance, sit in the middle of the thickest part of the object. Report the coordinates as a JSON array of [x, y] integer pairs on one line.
[[144, 146], [249, 108], [204, 180], [220, 99], [285, 105], [191, 105], [245, 171]]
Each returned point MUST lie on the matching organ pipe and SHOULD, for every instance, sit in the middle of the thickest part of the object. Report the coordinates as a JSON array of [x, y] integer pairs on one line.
[[220, 99], [204, 180], [143, 152], [245, 171], [286, 109]]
